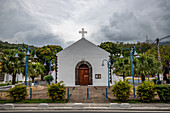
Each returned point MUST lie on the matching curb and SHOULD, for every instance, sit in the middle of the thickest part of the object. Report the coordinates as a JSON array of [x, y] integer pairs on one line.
[[84, 106]]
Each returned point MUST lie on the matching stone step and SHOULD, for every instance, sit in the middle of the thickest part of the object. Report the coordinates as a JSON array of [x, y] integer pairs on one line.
[[96, 95]]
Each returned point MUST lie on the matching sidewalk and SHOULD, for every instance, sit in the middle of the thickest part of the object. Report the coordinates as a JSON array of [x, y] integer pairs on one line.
[[86, 106]]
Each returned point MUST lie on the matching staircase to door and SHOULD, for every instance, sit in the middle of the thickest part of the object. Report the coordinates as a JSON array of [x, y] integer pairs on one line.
[[96, 95]]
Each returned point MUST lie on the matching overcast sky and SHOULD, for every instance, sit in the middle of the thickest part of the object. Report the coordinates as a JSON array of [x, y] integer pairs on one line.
[[57, 22]]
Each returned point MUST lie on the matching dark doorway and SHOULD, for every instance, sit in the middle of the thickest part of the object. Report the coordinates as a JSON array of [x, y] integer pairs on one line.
[[83, 73]]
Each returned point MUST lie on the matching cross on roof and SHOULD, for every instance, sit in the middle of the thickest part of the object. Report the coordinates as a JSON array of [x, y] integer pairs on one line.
[[82, 32]]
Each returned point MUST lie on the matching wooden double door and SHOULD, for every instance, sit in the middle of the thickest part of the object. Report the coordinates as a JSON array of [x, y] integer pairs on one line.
[[83, 73]]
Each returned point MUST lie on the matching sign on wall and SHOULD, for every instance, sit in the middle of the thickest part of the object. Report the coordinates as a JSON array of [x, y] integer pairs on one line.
[[97, 76]]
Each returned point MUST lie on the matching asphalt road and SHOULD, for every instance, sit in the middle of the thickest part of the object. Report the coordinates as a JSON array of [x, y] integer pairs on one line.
[[87, 111]]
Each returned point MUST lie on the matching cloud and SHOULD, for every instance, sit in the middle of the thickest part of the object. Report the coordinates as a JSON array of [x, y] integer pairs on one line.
[[33, 22], [132, 25], [38, 37], [42, 22]]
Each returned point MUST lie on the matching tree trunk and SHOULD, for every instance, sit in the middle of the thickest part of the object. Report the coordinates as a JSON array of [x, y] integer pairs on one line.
[[32, 79], [41, 77], [13, 78], [143, 78], [123, 77], [164, 73]]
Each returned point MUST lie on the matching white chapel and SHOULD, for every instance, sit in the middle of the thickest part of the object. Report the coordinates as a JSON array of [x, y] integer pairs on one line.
[[81, 64]]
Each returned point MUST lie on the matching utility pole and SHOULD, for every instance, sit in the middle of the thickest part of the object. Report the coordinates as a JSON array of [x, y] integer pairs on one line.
[[147, 40], [159, 56]]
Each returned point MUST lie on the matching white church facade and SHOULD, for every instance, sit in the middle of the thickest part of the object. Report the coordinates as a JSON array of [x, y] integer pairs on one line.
[[81, 64]]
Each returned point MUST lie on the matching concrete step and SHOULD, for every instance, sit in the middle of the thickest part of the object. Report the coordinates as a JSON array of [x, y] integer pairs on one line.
[[96, 95]]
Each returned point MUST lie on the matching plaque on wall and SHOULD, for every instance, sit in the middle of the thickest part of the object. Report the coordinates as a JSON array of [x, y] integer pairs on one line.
[[97, 76]]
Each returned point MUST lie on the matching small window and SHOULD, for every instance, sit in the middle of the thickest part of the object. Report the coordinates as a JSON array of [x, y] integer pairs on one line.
[[97, 76]]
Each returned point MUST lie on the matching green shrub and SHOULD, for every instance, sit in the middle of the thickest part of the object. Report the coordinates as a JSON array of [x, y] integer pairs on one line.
[[121, 90], [163, 92], [18, 93], [57, 91], [48, 77], [146, 91]]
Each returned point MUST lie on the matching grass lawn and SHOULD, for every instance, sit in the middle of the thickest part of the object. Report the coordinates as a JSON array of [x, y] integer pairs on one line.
[[33, 101], [3, 85]]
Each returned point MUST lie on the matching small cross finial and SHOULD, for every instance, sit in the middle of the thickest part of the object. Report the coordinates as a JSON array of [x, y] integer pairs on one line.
[[82, 32]]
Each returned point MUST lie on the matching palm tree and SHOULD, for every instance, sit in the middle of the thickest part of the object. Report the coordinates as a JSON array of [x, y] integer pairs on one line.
[[153, 65], [147, 65], [35, 69], [12, 65], [122, 66]]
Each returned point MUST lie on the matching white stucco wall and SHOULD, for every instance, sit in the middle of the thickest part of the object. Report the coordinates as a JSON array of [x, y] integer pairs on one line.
[[82, 50], [54, 76], [114, 78], [8, 77], [20, 77]]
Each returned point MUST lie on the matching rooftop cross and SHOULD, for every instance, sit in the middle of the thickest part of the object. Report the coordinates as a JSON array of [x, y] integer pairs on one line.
[[82, 32]]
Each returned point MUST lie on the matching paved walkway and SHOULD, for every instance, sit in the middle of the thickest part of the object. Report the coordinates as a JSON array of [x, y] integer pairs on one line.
[[79, 95], [40, 93]]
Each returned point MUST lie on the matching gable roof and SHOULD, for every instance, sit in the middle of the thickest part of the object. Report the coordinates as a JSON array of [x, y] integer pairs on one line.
[[84, 43]]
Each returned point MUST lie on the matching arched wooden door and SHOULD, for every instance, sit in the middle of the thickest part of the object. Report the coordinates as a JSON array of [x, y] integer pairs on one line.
[[83, 74]]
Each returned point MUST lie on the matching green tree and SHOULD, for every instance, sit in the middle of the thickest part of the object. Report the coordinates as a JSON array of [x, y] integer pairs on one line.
[[143, 47], [48, 52], [146, 65], [12, 65], [110, 47], [165, 57], [35, 69], [122, 67], [48, 78]]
